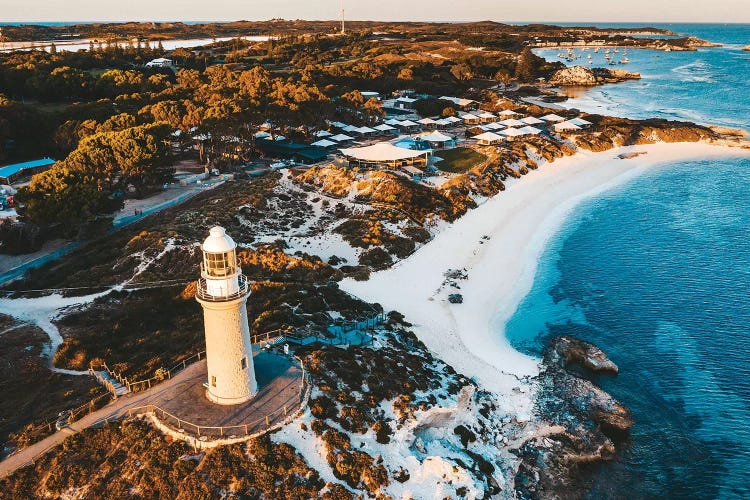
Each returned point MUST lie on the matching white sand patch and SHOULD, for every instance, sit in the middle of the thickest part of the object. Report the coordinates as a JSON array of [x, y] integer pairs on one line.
[[519, 222]]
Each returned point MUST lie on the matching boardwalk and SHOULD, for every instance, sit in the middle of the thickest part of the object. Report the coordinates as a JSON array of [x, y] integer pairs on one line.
[[279, 383]]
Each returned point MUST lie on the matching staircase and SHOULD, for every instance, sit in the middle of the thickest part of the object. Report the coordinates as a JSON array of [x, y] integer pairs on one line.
[[112, 385]]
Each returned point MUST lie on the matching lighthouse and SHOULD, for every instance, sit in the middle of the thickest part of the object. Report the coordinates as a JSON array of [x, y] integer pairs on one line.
[[222, 292]]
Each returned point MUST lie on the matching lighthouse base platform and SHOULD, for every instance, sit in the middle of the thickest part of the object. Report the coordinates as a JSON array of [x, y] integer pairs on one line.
[[184, 407]]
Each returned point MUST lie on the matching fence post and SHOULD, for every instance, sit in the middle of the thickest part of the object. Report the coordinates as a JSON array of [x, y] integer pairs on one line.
[[245, 429], [149, 383], [268, 421]]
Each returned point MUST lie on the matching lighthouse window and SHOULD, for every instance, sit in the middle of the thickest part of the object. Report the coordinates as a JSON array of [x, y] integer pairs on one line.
[[213, 381], [220, 264], [244, 363]]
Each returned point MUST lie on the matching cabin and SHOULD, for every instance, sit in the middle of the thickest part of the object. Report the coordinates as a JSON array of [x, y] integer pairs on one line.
[[385, 155]]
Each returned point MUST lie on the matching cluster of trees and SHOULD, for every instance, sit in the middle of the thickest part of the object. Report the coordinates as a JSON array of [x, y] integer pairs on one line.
[[91, 180]]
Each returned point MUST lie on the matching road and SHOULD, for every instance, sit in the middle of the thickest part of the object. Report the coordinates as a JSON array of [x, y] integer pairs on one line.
[[121, 220]]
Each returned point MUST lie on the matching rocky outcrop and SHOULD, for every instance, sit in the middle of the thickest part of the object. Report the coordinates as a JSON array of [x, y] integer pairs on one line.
[[582, 76], [746, 48], [593, 421], [569, 351]]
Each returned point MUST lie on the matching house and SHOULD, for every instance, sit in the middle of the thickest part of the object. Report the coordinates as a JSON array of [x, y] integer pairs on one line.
[[553, 118], [508, 113], [488, 138], [341, 138], [512, 122], [385, 129], [511, 133], [427, 123], [487, 117], [565, 127], [580, 122], [438, 140], [532, 120], [161, 62], [385, 155], [408, 126], [529, 130], [370, 95], [322, 133], [405, 102], [11, 173], [470, 119], [324, 143], [463, 104]]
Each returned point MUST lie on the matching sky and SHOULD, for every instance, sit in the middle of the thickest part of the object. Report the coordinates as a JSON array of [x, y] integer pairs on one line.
[[639, 11]]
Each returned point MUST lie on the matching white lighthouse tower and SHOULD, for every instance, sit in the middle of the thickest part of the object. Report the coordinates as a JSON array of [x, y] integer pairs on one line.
[[223, 291]]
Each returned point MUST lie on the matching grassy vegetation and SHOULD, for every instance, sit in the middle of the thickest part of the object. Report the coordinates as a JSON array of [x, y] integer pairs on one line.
[[133, 460], [29, 391], [459, 160]]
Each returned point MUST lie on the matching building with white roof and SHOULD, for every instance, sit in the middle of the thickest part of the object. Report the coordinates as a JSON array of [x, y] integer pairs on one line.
[[341, 138], [460, 102], [385, 155], [324, 143], [508, 112], [553, 118], [565, 127], [487, 117], [511, 133], [532, 120], [438, 140], [470, 119], [160, 62], [529, 130], [488, 138], [512, 122], [580, 122], [384, 128]]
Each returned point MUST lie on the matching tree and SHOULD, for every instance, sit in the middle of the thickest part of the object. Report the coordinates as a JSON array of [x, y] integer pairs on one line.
[[529, 65], [461, 72]]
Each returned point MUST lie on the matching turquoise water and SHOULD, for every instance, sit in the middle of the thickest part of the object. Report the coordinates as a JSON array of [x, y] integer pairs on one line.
[[657, 272], [708, 86]]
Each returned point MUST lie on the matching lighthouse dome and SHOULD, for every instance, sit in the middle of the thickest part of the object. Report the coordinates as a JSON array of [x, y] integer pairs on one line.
[[218, 241]]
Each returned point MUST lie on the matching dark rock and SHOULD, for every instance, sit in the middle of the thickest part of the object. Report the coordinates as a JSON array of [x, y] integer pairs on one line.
[[455, 298], [573, 351]]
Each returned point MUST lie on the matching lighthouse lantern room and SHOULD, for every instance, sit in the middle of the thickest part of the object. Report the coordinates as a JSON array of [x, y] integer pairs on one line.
[[222, 292]]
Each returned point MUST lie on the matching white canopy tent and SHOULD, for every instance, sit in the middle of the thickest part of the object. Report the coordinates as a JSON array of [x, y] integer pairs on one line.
[[529, 130], [324, 143]]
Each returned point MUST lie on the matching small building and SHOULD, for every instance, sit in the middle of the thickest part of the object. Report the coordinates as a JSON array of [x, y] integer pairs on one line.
[[511, 133], [322, 133], [470, 119], [368, 94], [408, 126], [529, 130], [508, 113], [385, 129], [324, 143], [488, 138], [460, 103], [532, 120], [161, 62], [580, 122], [553, 118], [438, 140], [427, 123], [341, 138], [487, 117], [416, 174], [11, 173], [512, 122], [405, 102], [565, 127], [385, 155]]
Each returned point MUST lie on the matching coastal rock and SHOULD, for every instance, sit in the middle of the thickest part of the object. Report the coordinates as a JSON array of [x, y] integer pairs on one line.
[[746, 48], [582, 76], [591, 418], [573, 351]]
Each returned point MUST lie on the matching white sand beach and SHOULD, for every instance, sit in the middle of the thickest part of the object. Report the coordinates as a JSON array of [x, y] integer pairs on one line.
[[519, 222]]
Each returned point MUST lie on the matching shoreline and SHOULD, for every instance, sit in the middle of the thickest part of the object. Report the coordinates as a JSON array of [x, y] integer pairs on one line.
[[519, 222]]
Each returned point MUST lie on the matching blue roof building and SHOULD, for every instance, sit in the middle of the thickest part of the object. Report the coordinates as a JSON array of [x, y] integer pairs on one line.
[[11, 173]]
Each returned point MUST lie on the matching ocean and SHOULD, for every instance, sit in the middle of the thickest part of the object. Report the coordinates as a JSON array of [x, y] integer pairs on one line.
[[657, 273]]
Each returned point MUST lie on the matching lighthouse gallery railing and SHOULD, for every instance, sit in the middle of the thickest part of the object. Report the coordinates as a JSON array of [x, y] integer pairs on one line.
[[203, 293]]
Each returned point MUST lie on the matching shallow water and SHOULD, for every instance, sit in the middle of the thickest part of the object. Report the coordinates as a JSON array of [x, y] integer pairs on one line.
[[657, 273]]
